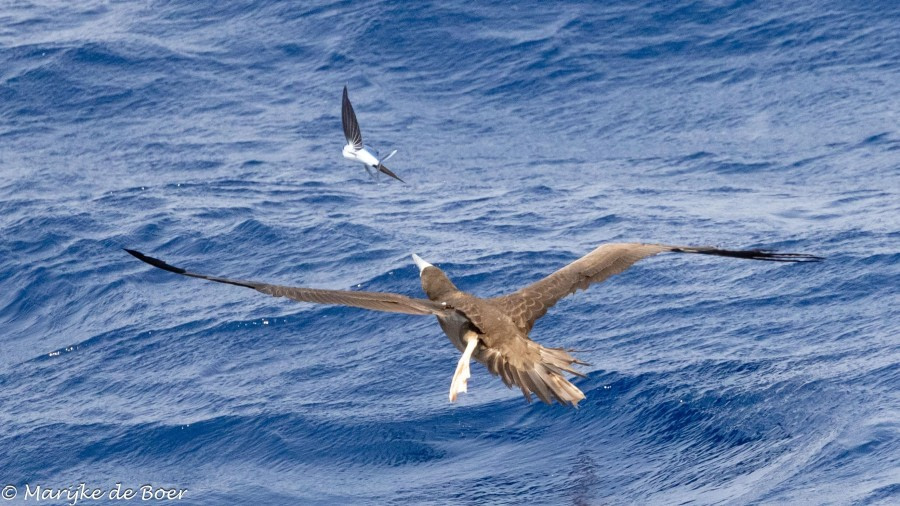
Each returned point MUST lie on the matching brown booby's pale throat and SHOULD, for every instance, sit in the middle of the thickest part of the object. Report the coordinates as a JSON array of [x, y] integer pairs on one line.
[[495, 331]]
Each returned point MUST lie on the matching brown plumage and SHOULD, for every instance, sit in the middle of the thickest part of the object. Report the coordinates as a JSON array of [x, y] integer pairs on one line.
[[495, 331]]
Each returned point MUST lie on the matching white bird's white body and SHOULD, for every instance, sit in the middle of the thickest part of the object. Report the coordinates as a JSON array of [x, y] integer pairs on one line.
[[364, 155]]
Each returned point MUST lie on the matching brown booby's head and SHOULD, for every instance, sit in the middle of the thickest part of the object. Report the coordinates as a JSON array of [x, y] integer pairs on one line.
[[435, 283]]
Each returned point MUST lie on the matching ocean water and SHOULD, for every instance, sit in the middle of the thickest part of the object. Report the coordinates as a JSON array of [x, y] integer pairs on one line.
[[208, 134]]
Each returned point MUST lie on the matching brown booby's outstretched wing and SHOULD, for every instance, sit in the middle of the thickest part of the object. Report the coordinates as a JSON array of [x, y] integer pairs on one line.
[[531, 302], [390, 302], [351, 126]]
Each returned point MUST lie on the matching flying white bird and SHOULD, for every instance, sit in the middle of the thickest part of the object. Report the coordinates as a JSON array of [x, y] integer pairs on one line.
[[355, 149]]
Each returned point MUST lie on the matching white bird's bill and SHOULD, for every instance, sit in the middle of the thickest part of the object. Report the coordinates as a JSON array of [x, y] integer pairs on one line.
[[460, 381], [421, 264]]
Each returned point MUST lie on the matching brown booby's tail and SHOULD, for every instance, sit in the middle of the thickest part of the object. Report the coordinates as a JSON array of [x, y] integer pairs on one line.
[[543, 374], [555, 362]]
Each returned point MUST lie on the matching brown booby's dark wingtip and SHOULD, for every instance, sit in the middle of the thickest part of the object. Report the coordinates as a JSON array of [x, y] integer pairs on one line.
[[772, 256], [155, 262], [754, 254], [791, 257]]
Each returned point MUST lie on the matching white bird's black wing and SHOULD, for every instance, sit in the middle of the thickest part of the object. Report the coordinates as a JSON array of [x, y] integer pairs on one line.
[[390, 302], [351, 126], [531, 302]]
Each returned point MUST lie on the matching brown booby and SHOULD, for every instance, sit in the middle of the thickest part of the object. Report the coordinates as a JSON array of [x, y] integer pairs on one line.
[[495, 331]]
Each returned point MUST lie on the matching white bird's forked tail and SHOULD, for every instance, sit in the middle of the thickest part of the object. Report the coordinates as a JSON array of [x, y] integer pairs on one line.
[[388, 157]]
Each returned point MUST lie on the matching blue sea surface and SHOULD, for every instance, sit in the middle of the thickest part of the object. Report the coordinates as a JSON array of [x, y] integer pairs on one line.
[[208, 134]]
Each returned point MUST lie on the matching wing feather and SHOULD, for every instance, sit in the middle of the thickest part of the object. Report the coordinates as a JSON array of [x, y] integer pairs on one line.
[[389, 302], [351, 126], [531, 302]]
